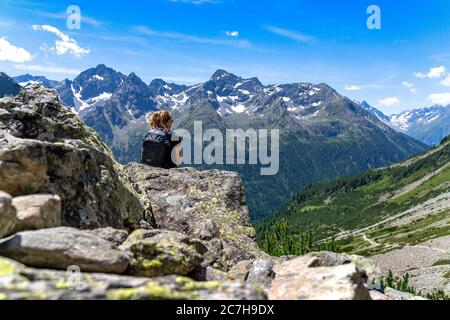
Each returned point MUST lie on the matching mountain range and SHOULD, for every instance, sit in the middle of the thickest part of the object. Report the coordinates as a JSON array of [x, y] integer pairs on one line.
[[27, 79], [8, 86], [429, 125], [324, 135]]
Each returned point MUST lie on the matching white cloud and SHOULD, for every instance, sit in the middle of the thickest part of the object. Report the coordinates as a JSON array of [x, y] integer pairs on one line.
[[440, 98], [388, 102], [233, 34], [46, 69], [352, 88], [293, 35], [446, 81], [410, 86], [445, 57], [437, 72], [9, 52], [191, 38], [65, 44]]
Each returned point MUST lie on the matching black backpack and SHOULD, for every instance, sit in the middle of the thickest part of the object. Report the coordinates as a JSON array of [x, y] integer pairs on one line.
[[157, 149]]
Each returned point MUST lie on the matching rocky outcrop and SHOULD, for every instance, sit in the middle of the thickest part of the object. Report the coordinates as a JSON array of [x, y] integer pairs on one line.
[[18, 282], [162, 252], [61, 248], [45, 148], [205, 204]]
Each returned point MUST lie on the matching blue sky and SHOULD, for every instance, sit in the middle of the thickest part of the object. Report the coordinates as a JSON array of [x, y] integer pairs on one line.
[[404, 65]]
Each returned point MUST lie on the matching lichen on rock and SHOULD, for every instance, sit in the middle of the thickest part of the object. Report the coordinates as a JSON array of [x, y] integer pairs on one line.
[[206, 204], [161, 252]]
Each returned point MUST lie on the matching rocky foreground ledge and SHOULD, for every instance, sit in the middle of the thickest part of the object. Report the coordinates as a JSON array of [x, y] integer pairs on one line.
[[74, 224]]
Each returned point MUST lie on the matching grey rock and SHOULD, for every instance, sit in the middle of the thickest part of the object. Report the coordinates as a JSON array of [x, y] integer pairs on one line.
[[328, 259], [46, 148], [7, 214], [116, 237], [305, 278], [18, 282], [162, 252], [37, 211], [215, 256], [261, 273], [240, 270], [204, 204], [60, 248]]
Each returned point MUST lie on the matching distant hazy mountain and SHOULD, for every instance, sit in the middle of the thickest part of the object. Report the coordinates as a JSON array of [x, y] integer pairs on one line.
[[429, 125], [28, 79], [323, 134], [8, 86]]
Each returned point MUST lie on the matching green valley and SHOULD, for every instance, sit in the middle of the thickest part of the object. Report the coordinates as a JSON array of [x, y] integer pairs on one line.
[[376, 211]]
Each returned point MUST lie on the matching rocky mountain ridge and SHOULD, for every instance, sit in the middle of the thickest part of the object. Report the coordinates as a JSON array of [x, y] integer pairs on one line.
[[429, 125], [174, 234], [8, 86]]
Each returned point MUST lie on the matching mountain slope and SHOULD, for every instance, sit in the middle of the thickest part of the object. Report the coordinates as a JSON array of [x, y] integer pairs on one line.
[[379, 210], [429, 125], [323, 134], [8, 86]]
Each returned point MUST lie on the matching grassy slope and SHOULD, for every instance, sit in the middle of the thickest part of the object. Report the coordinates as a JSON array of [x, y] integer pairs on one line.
[[346, 207]]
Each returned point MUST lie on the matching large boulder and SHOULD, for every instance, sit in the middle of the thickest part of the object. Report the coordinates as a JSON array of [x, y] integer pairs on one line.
[[18, 282], [61, 248], [205, 204], [321, 276], [46, 148], [162, 252], [37, 211], [7, 214]]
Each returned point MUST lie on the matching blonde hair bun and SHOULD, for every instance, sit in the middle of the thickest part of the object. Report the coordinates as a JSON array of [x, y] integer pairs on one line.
[[160, 119]]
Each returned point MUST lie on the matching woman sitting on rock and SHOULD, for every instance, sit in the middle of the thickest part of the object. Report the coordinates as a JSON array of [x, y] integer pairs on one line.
[[161, 147]]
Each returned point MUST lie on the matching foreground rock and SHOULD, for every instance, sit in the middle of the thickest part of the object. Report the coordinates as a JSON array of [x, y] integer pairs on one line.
[[313, 277], [161, 252], [45, 148], [37, 212], [18, 282], [204, 204], [61, 248], [7, 214]]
